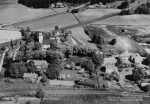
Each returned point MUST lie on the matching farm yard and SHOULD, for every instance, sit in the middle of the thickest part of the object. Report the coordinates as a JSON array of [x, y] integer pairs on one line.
[[48, 23], [91, 14], [126, 20], [83, 39]]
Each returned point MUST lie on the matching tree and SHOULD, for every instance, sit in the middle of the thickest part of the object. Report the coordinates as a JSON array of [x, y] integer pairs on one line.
[[113, 41], [124, 5], [20, 56], [97, 59], [88, 66], [53, 71], [31, 68], [56, 28], [11, 44], [138, 74], [147, 60], [40, 94], [95, 38], [29, 54], [22, 30], [28, 29], [37, 46], [147, 88], [54, 57], [100, 40], [53, 46], [16, 70], [69, 52]]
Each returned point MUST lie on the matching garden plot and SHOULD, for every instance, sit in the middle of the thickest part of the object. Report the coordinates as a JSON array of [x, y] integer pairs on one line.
[[91, 14], [126, 20]]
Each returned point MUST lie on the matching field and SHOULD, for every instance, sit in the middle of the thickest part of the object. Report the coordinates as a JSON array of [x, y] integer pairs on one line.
[[6, 36], [83, 39], [140, 34], [126, 20], [48, 23], [123, 42], [88, 99], [12, 12], [91, 14]]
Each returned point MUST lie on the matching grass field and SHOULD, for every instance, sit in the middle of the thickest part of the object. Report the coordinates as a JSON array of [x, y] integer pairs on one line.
[[126, 20], [91, 14], [12, 12], [48, 23], [83, 39], [6, 36], [89, 99]]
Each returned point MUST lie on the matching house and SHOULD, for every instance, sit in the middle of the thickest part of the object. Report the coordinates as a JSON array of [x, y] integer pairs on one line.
[[110, 60], [109, 68], [30, 76], [46, 42], [144, 84], [39, 64], [136, 58], [125, 56]]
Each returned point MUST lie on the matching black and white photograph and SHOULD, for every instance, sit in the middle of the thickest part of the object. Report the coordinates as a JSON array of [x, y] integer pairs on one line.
[[74, 51]]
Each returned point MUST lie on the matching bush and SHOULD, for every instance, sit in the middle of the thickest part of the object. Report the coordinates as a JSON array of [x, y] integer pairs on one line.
[[53, 71], [87, 83], [147, 88], [75, 11], [44, 79]]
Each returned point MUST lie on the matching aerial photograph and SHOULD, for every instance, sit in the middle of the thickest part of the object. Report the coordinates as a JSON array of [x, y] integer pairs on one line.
[[74, 51]]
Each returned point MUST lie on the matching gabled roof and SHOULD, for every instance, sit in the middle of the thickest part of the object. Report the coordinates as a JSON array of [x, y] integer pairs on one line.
[[38, 62], [109, 60], [49, 41], [30, 75], [109, 65]]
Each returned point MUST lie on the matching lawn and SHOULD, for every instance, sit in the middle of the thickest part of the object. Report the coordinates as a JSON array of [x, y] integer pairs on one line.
[[19, 85], [83, 39], [91, 14], [126, 20], [12, 12], [48, 23]]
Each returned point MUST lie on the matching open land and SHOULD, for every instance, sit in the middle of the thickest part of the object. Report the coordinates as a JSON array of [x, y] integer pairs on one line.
[[83, 39], [91, 14], [6, 36], [126, 20], [12, 12], [48, 23]]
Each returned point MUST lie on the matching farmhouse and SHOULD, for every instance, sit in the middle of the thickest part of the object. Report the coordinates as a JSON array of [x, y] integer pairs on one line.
[[109, 68], [136, 58], [110, 60], [125, 56], [39, 64], [30, 76]]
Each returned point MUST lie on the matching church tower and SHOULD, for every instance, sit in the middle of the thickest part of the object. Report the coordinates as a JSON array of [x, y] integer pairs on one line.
[[40, 38]]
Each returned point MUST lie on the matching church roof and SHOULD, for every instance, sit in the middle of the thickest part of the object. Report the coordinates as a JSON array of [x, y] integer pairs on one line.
[[49, 41]]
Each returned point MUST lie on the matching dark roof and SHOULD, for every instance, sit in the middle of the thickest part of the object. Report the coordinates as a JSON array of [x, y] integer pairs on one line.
[[49, 41]]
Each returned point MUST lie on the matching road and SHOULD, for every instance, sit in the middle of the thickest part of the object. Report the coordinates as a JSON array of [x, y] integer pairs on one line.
[[84, 92]]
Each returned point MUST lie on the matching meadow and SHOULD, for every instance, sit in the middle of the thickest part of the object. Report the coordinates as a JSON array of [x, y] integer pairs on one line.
[[126, 20], [91, 14]]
